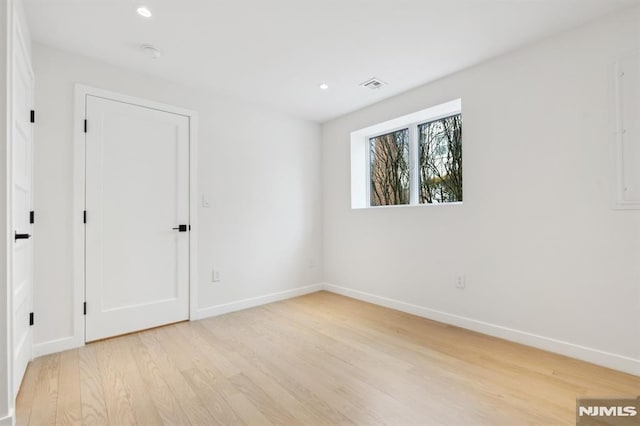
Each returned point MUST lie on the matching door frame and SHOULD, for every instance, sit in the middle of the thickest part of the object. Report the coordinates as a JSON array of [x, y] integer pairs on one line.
[[79, 163]]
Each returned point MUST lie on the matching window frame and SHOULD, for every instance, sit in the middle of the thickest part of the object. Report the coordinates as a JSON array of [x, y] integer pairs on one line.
[[411, 124]]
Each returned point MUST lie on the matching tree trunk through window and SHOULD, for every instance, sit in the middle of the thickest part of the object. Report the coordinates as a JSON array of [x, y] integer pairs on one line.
[[390, 168]]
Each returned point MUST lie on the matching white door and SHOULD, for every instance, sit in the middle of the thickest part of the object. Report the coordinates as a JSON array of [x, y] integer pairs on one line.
[[21, 195], [137, 194]]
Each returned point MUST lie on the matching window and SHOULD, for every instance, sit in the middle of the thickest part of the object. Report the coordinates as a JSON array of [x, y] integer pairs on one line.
[[411, 160], [440, 160], [389, 168]]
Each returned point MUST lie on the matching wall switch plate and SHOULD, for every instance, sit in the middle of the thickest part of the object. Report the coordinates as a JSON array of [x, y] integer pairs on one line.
[[215, 276], [461, 281], [205, 202]]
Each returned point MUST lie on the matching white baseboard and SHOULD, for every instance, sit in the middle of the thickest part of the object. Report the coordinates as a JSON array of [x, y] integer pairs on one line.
[[225, 308], [7, 420], [58, 345], [595, 356], [72, 342]]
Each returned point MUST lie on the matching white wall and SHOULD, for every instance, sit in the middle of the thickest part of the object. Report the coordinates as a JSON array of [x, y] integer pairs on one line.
[[259, 168], [547, 261]]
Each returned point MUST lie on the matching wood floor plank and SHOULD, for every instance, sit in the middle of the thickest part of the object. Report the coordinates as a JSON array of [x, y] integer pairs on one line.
[[212, 398], [145, 409], [196, 334], [194, 409], [69, 410], [367, 397], [303, 413], [317, 359], [384, 378], [488, 361], [274, 411], [163, 398], [45, 399], [27, 393], [302, 370], [94, 409], [304, 403], [453, 347], [246, 411], [117, 393]]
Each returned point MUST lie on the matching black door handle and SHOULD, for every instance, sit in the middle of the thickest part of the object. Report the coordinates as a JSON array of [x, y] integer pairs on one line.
[[181, 228], [22, 236]]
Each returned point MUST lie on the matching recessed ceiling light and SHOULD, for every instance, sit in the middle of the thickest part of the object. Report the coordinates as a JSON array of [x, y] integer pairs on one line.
[[324, 86], [144, 11]]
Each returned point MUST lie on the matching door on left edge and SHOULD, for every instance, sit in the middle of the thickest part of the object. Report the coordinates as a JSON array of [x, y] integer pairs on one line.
[[22, 200]]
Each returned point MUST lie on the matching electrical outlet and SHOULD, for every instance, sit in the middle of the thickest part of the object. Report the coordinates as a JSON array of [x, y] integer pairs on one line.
[[215, 276], [461, 282]]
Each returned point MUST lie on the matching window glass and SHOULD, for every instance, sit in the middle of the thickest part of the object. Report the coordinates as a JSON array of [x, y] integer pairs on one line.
[[440, 160], [389, 167]]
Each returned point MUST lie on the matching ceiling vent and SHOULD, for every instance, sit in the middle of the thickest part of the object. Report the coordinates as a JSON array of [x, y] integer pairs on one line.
[[373, 84]]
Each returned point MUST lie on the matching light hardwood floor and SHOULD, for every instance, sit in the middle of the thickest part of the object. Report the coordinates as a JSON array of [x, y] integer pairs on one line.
[[316, 359]]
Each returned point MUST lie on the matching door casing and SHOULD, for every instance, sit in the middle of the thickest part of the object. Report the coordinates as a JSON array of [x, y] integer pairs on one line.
[[81, 93]]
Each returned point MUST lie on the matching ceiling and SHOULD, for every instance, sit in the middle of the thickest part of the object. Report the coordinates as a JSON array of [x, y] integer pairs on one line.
[[278, 52]]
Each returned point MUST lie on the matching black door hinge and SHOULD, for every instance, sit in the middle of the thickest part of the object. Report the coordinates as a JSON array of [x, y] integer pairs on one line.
[[32, 217], [85, 126], [31, 322], [32, 116], [84, 216], [84, 308]]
